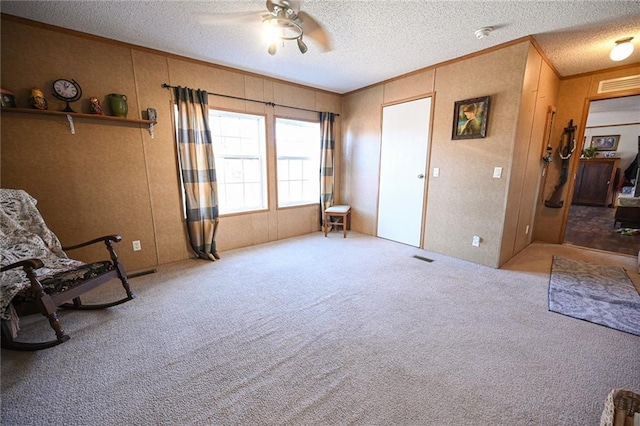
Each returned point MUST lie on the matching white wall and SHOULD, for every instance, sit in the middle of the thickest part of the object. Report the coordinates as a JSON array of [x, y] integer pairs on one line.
[[627, 145]]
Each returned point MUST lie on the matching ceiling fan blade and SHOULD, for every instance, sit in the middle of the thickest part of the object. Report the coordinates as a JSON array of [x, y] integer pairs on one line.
[[232, 18], [314, 31], [270, 5]]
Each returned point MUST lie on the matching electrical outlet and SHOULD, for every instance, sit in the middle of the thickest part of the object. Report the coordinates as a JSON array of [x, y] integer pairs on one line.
[[136, 245], [497, 172], [476, 241], [436, 171]]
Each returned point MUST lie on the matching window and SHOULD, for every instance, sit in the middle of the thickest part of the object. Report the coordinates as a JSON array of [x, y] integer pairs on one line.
[[240, 151], [298, 149]]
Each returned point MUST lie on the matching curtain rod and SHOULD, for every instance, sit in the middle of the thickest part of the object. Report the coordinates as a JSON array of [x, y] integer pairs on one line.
[[166, 86]]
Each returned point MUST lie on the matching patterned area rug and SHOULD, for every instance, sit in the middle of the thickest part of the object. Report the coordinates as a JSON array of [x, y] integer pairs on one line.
[[600, 294]]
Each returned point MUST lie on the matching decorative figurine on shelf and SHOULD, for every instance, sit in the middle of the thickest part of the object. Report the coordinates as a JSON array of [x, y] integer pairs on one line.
[[94, 106], [37, 100], [7, 99], [118, 104], [152, 115]]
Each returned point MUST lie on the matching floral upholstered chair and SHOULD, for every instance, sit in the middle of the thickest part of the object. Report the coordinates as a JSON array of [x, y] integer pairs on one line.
[[36, 274]]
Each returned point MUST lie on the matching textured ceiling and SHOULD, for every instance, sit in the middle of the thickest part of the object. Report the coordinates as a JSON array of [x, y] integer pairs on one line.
[[372, 40]]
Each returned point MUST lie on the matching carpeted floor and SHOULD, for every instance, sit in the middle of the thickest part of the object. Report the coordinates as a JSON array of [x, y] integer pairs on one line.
[[596, 293], [592, 227], [328, 331]]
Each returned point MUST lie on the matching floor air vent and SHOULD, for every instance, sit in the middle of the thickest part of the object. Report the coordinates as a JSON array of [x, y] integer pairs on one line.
[[426, 259], [618, 84], [138, 274]]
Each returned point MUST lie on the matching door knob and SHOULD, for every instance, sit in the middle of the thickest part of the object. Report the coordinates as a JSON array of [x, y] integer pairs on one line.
[[420, 176]]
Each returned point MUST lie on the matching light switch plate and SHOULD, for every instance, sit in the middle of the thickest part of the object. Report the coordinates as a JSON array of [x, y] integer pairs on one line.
[[497, 172], [436, 171]]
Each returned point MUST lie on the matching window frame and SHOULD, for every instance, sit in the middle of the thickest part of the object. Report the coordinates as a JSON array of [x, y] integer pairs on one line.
[[264, 157], [276, 159]]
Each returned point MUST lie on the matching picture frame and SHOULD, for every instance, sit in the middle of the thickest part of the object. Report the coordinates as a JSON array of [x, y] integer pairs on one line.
[[605, 143], [470, 118]]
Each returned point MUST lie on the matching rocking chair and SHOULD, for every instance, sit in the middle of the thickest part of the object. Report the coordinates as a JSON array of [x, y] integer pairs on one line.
[[36, 275]]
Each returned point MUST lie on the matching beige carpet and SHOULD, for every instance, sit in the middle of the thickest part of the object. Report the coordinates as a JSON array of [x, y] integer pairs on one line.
[[328, 331]]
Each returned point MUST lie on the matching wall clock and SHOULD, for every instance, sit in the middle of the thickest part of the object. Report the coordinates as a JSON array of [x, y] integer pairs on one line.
[[67, 91]]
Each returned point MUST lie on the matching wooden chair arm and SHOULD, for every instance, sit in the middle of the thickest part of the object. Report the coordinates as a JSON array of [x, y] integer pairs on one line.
[[115, 238], [108, 240], [25, 264], [28, 266]]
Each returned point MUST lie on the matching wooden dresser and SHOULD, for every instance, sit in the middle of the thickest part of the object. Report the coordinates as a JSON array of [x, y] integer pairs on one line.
[[595, 181]]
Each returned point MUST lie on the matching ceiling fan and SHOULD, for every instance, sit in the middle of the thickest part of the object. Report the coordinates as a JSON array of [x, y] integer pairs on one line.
[[283, 20]]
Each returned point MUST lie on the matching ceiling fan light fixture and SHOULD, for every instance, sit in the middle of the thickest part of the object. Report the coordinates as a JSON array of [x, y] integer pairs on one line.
[[270, 31], [622, 50], [279, 29]]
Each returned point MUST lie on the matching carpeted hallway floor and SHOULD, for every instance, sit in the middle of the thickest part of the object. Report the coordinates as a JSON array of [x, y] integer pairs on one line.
[[592, 227], [328, 331]]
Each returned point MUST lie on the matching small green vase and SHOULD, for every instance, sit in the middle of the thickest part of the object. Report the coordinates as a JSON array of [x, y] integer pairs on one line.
[[118, 104]]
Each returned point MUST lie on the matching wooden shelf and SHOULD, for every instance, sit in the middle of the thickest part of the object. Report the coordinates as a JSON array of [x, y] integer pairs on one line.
[[72, 115], [77, 114]]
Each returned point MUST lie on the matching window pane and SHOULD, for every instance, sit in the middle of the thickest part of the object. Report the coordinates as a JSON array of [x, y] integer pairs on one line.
[[283, 170], [233, 170], [295, 190], [235, 195], [253, 195], [283, 192], [295, 169], [249, 146], [222, 193], [311, 170], [230, 126], [251, 170], [309, 188]]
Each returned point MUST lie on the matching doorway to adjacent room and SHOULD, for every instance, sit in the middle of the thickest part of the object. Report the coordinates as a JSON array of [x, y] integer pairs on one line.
[[591, 224]]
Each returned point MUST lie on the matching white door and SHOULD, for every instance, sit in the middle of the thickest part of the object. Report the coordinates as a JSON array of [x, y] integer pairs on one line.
[[403, 162]]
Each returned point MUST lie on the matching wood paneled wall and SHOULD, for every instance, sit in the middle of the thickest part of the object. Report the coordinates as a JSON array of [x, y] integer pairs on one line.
[[113, 177]]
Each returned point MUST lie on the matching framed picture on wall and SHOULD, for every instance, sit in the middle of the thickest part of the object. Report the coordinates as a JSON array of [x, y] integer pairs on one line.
[[605, 143], [470, 118]]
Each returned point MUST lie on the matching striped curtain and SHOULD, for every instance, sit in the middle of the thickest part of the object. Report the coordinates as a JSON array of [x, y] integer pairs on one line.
[[327, 144], [197, 170]]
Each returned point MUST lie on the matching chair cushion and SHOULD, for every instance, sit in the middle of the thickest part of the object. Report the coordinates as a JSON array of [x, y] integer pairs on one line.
[[338, 209], [65, 280]]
